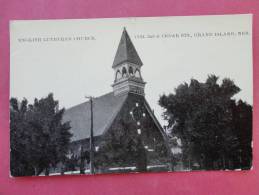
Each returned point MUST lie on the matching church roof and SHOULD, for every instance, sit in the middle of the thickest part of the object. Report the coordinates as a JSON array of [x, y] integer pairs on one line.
[[126, 51], [105, 109]]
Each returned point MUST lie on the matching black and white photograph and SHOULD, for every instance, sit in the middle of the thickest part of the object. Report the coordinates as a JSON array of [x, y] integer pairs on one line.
[[131, 95]]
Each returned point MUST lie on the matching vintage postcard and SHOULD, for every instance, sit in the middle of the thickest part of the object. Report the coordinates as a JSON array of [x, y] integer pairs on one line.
[[119, 95]]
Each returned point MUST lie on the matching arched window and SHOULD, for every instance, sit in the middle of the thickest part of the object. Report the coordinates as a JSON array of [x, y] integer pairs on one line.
[[130, 70], [137, 73], [118, 75], [124, 71]]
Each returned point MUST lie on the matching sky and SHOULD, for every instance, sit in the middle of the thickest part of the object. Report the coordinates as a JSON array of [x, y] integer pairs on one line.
[[73, 58]]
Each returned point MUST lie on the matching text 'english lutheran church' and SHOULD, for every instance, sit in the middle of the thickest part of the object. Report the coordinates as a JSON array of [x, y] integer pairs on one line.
[[126, 134]]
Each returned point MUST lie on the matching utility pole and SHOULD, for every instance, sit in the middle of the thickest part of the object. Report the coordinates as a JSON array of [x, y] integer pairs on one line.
[[91, 136]]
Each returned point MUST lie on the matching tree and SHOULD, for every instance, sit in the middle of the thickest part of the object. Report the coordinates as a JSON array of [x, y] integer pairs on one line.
[[242, 114], [122, 147], [43, 139], [202, 115], [20, 154]]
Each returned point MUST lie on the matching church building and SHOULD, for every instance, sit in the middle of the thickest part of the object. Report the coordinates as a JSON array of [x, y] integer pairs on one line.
[[127, 137]]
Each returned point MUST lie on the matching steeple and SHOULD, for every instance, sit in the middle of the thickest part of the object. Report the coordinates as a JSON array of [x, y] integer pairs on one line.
[[126, 51], [127, 68]]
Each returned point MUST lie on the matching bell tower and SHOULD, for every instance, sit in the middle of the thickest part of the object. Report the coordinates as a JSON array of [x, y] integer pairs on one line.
[[127, 68]]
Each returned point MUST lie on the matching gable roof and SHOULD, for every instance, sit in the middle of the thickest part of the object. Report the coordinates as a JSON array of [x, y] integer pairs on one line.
[[151, 113], [105, 109], [126, 51]]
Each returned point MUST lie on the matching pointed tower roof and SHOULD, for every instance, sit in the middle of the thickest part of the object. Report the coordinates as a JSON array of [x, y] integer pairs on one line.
[[126, 51]]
